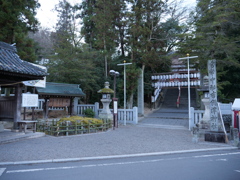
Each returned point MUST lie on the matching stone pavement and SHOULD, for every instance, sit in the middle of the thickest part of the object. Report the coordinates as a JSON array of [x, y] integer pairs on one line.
[[146, 138]]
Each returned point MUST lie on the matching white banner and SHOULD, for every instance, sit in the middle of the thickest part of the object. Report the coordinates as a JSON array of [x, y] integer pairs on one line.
[[37, 83]]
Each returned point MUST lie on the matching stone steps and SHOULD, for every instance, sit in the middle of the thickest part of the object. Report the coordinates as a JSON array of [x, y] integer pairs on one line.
[[161, 126]]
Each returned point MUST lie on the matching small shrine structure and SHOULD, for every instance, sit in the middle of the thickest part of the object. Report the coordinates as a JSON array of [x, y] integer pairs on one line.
[[59, 95]]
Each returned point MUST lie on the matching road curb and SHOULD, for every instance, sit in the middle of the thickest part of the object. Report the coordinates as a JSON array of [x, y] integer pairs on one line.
[[113, 156]]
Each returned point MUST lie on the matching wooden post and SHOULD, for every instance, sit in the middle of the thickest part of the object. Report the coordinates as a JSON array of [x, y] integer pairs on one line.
[[75, 128], [33, 112], [18, 103], [24, 109], [71, 106], [45, 108]]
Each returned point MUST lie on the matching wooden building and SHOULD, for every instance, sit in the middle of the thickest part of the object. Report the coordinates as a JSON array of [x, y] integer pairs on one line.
[[59, 95], [13, 71]]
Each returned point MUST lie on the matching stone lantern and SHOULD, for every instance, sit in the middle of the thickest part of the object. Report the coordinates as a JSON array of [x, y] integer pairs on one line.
[[204, 124], [106, 100]]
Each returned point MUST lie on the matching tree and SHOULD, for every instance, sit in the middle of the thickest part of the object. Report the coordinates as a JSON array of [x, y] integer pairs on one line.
[[72, 62], [217, 37], [44, 43], [99, 26], [17, 19]]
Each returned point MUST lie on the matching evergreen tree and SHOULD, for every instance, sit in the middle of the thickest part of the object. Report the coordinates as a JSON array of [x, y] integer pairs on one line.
[[72, 62], [17, 19], [100, 18], [217, 37]]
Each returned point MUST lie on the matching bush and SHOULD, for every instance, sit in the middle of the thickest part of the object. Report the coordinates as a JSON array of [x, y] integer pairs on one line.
[[89, 113], [79, 120]]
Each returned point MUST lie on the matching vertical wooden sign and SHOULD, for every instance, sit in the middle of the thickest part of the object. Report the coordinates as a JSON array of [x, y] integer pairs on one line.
[[213, 95]]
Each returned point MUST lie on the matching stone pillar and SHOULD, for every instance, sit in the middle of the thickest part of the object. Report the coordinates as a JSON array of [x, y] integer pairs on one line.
[[75, 104]]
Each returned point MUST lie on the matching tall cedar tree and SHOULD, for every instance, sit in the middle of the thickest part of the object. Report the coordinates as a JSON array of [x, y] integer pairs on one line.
[[72, 62], [99, 22], [145, 40], [17, 19], [217, 37]]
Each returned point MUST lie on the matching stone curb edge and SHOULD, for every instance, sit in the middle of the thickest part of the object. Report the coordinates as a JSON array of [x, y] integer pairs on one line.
[[113, 156]]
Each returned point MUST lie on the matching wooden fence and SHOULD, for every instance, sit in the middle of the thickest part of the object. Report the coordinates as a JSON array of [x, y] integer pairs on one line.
[[68, 128]]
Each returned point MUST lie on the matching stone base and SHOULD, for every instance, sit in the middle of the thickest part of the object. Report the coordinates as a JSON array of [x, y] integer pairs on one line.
[[106, 116], [203, 125], [1, 127], [215, 137]]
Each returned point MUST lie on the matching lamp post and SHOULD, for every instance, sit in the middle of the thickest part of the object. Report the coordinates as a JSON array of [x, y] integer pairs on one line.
[[189, 97], [124, 64], [114, 74]]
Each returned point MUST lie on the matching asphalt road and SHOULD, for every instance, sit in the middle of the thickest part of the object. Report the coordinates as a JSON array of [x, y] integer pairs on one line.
[[220, 165]]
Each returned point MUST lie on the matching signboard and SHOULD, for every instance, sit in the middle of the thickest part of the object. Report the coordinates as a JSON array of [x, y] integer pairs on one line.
[[214, 111], [115, 107], [29, 100], [59, 102]]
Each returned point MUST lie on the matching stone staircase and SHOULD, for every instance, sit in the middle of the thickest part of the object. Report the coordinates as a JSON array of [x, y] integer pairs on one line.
[[166, 118], [169, 116], [171, 95]]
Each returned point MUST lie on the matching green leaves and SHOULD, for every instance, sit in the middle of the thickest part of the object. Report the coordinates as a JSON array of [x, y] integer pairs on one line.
[[216, 37], [17, 19]]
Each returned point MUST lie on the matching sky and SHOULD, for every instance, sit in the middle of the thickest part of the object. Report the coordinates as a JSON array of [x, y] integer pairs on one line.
[[45, 14], [48, 18]]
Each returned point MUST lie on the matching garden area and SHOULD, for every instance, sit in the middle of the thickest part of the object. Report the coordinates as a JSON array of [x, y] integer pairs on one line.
[[73, 125]]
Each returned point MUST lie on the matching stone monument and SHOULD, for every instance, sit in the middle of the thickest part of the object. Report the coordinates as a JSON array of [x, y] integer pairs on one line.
[[217, 131]]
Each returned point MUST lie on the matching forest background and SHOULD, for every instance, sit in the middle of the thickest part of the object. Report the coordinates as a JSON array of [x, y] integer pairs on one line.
[[93, 36]]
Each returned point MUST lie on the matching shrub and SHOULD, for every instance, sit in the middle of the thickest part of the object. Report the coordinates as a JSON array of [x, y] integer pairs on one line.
[[89, 113], [79, 120]]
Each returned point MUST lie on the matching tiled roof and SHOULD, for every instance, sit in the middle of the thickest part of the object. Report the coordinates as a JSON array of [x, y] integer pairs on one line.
[[61, 89], [10, 62]]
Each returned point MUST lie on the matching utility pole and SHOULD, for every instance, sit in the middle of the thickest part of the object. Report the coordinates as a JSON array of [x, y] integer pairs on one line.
[[189, 96]]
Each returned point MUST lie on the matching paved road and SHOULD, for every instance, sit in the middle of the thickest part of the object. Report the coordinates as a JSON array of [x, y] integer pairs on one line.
[[220, 165]]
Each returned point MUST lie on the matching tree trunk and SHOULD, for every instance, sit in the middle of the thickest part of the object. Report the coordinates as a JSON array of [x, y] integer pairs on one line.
[[105, 50], [141, 92], [130, 101]]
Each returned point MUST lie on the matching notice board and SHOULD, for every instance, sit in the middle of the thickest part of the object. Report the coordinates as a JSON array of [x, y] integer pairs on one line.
[[59, 102]]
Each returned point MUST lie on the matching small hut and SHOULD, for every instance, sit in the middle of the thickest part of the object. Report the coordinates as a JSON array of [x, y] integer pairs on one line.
[[59, 95]]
